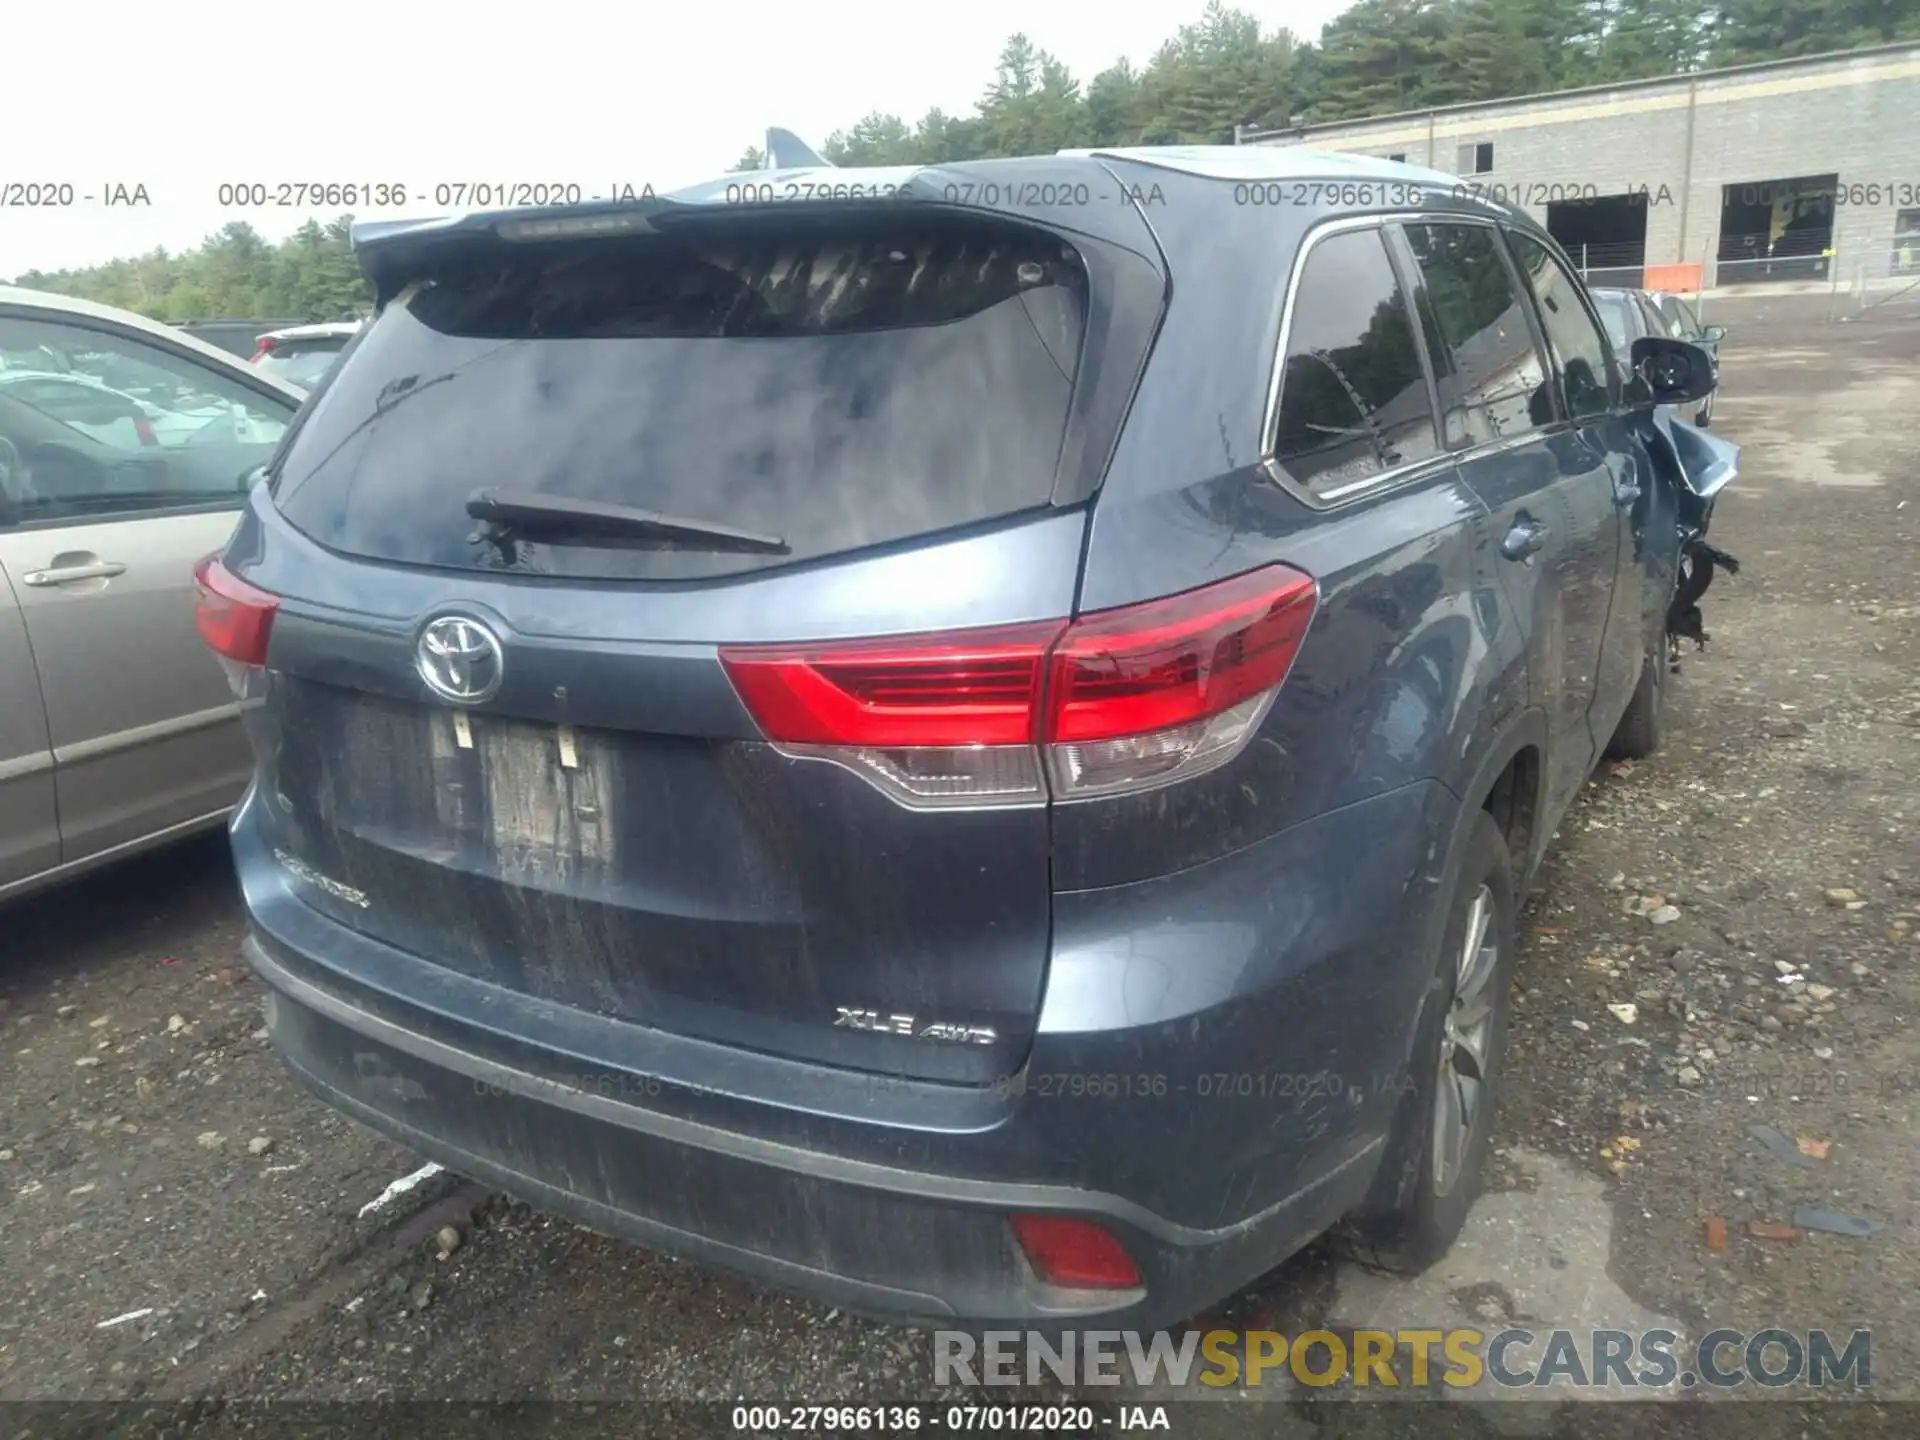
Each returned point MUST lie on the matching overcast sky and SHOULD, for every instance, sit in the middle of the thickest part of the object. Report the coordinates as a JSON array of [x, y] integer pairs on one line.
[[584, 91]]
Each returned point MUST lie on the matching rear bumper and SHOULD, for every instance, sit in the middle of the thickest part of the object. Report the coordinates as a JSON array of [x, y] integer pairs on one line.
[[905, 1244], [891, 1197]]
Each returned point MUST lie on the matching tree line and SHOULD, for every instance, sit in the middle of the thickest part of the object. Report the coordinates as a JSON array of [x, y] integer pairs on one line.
[[1377, 57], [234, 273], [1224, 70]]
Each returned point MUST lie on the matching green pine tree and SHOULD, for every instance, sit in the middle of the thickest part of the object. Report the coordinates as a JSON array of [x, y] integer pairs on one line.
[[1221, 72], [1499, 48], [876, 140], [1748, 30], [1382, 56], [1033, 106], [940, 138]]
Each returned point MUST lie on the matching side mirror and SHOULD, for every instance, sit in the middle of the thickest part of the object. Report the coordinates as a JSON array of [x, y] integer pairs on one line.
[[1676, 372], [1714, 334]]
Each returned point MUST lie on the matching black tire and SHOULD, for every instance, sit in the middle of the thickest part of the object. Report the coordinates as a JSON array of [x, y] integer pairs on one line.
[[1414, 1212], [1638, 734], [1703, 417]]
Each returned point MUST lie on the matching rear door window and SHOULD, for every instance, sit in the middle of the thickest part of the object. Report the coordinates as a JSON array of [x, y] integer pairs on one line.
[[1493, 379], [835, 388], [1354, 401], [1580, 349]]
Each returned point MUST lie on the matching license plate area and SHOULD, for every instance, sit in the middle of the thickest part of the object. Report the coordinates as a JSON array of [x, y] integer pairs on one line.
[[536, 798]]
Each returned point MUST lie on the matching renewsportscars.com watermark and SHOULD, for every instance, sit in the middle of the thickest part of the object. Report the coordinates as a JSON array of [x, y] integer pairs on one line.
[[1513, 1358]]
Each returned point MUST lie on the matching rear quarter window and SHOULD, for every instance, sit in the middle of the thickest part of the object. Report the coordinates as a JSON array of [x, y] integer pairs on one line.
[[1353, 397]]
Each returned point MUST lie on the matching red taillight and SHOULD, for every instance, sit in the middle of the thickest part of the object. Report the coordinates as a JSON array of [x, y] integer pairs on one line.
[[1170, 662], [234, 617], [143, 427], [263, 346], [1075, 1254], [970, 688], [1119, 698]]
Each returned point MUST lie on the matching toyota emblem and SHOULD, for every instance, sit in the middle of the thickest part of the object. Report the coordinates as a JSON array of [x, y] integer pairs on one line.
[[460, 659]]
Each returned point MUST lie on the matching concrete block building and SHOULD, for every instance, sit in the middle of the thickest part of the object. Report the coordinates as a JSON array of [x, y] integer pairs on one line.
[[1789, 170]]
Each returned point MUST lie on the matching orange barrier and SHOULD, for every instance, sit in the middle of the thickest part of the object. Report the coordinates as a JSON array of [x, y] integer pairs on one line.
[[1674, 279]]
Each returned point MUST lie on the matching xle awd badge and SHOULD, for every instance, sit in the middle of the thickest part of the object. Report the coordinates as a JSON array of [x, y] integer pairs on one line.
[[850, 1018]]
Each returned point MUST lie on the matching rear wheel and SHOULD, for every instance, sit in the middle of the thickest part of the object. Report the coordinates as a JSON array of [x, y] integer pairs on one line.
[[1438, 1146], [1638, 734]]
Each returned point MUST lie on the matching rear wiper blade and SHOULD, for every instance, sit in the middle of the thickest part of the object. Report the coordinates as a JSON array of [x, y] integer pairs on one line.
[[518, 512]]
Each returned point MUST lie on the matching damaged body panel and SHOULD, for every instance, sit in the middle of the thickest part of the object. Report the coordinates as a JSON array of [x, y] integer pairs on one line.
[[1700, 465]]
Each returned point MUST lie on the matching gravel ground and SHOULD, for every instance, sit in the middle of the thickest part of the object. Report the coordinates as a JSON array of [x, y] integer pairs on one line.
[[178, 1221]]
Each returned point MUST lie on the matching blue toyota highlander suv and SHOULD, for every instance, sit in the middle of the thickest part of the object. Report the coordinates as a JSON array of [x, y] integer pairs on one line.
[[961, 740]]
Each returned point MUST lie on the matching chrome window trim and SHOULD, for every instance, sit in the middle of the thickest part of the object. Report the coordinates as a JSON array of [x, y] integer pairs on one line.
[[1400, 475]]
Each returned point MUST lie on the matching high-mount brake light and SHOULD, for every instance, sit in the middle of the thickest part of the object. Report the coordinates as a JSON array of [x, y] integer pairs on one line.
[[575, 227], [1114, 701]]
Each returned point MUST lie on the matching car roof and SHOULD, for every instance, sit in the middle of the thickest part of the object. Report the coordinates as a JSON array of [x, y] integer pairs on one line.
[[47, 301], [1244, 163], [1269, 162]]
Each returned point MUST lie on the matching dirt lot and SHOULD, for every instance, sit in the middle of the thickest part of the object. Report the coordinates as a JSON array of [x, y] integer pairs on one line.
[[177, 1220]]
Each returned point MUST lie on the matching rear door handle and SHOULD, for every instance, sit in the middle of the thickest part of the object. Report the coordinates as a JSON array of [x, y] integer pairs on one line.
[[1524, 539], [64, 574]]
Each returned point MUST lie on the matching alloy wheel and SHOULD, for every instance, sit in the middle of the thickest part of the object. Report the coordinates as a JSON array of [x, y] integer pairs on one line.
[[1459, 1096]]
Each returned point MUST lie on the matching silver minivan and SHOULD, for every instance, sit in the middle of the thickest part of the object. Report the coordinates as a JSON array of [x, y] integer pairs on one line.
[[126, 448]]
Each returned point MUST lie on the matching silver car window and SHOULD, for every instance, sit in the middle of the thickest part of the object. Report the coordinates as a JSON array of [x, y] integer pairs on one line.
[[121, 425]]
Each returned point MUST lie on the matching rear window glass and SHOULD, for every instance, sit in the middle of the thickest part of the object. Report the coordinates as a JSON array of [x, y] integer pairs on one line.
[[835, 389]]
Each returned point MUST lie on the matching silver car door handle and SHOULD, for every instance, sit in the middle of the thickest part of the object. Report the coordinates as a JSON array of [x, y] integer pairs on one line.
[[98, 570], [1525, 538]]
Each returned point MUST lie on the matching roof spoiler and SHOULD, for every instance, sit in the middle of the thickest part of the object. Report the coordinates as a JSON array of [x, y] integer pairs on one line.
[[787, 151]]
